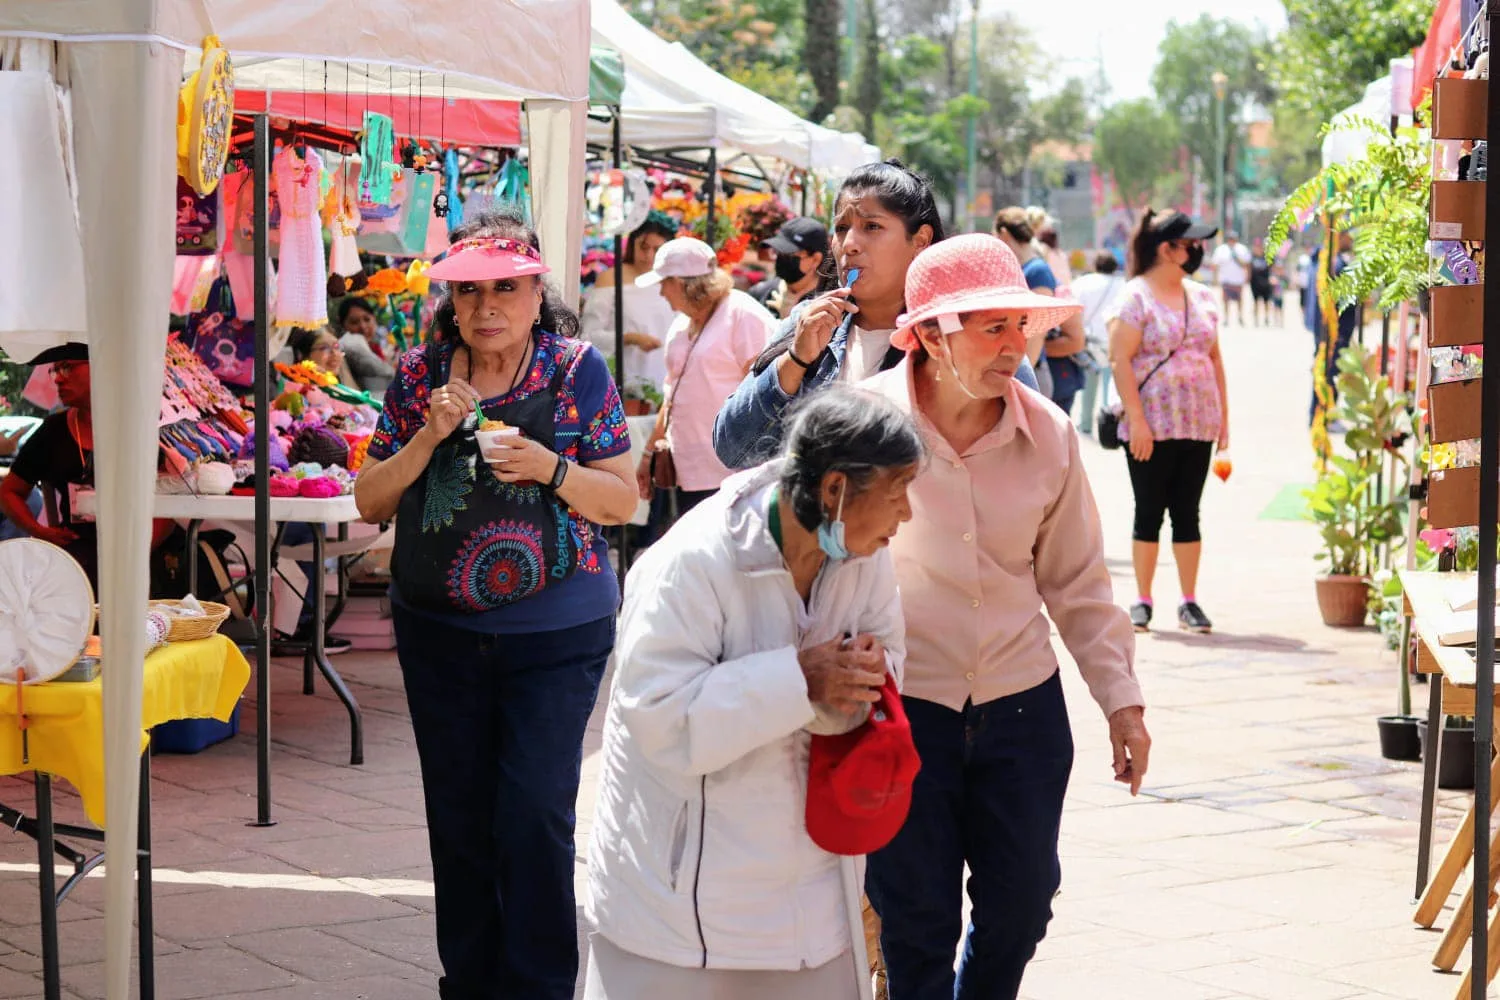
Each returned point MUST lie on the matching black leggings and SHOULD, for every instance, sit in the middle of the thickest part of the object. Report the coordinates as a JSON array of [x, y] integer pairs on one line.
[[1170, 480]]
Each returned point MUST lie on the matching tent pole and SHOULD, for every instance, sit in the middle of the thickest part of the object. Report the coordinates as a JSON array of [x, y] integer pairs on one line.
[[1489, 499], [711, 185], [624, 543], [261, 160]]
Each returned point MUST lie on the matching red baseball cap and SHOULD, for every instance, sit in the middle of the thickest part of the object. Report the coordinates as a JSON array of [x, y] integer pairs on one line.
[[859, 784]]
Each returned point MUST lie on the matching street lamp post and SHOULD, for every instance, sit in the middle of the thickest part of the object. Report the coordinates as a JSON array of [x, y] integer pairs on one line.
[[972, 186], [1221, 85]]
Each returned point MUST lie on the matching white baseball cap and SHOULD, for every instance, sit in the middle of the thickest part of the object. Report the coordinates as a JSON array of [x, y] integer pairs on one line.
[[680, 258]]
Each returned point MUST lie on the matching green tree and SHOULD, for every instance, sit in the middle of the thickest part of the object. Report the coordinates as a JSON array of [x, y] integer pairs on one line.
[[820, 54], [1136, 144], [753, 42], [1189, 56], [868, 89], [1332, 49]]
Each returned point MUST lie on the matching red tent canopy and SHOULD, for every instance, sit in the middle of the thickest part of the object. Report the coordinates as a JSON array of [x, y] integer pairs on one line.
[[1432, 56], [453, 122]]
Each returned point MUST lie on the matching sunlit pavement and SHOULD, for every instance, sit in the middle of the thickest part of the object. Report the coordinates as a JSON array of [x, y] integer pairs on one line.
[[1270, 856]]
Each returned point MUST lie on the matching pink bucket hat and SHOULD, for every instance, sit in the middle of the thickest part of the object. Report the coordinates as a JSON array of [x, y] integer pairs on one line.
[[967, 274], [487, 258]]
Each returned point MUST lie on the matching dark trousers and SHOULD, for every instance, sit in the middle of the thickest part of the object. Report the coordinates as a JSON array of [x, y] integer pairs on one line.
[[990, 793], [499, 723], [1170, 480]]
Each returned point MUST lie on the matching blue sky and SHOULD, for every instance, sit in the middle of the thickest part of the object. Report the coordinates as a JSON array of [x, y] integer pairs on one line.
[[1126, 35]]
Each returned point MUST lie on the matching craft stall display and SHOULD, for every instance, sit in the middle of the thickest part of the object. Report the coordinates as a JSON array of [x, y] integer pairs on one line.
[[51, 713]]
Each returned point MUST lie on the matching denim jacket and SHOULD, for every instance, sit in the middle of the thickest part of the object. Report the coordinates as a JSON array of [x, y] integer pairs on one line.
[[749, 427]]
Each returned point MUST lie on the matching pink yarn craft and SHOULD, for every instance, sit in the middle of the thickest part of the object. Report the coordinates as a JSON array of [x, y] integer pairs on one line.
[[320, 488], [285, 486]]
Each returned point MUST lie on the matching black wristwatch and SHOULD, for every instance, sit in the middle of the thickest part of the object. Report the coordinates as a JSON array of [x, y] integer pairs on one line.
[[559, 474]]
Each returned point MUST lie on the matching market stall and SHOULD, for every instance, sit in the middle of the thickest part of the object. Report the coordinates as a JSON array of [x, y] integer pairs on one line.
[[120, 66]]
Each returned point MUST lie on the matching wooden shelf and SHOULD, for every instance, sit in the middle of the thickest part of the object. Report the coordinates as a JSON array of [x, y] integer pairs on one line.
[[1460, 108], [1453, 498], [1456, 315], [1457, 211], [1453, 410]]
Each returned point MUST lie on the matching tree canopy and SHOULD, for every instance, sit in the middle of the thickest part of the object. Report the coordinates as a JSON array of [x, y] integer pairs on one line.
[[1136, 144]]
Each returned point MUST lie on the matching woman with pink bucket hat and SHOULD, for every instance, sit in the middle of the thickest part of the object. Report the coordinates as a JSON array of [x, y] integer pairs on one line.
[[1004, 534]]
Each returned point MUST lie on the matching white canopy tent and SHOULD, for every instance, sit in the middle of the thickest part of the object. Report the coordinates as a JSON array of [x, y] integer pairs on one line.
[[674, 99], [1380, 100], [123, 61]]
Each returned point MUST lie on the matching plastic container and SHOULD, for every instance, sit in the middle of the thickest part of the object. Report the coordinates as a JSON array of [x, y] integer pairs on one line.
[[193, 735], [491, 440], [1223, 466]]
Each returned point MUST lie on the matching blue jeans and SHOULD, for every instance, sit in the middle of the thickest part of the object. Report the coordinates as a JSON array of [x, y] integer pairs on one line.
[[499, 723], [990, 793]]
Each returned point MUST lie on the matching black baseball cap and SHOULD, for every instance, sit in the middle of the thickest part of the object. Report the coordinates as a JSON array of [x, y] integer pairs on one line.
[[72, 351], [798, 235], [1176, 225]]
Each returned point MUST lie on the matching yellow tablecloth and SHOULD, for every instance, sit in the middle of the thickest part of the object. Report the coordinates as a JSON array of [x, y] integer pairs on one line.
[[184, 680]]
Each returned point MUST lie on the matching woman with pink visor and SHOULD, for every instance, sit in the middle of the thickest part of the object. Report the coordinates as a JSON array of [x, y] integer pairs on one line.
[[1004, 535], [501, 449]]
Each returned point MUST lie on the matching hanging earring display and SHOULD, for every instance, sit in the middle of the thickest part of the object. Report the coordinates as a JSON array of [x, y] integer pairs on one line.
[[205, 113]]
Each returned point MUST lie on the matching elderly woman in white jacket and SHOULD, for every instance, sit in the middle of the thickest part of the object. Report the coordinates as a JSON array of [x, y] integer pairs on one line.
[[734, 646]]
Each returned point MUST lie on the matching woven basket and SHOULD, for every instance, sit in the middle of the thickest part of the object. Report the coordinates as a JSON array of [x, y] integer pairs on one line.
[[180, 629]]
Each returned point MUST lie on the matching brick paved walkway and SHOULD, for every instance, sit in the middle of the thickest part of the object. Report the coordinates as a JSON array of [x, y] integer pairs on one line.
[[1270, 857]]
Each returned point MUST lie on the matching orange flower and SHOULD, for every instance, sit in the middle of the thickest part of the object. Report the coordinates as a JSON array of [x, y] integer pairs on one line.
[[387, 281]]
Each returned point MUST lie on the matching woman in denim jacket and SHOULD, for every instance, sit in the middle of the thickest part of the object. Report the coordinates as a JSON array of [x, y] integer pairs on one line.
[[884, 216]]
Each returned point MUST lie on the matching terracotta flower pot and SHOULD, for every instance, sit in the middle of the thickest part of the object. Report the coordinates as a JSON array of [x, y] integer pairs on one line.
[[1343, 600]]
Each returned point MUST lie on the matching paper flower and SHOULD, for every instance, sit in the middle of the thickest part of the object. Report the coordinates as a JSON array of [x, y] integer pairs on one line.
[[387, 281], [417, 281], [1437, 539]]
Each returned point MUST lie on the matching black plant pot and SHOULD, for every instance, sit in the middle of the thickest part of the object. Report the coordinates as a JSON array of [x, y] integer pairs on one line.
[[1398, 737], [1456, 764]]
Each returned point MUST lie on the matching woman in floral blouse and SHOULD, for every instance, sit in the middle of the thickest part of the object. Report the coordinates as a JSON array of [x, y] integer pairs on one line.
[[1164, 348], [503, 598]]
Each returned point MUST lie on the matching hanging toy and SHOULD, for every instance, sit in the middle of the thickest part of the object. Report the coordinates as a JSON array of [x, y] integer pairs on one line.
[[440, 205]]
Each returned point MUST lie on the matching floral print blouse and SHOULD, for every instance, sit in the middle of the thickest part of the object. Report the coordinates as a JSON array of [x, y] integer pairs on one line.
[[1181, 401]]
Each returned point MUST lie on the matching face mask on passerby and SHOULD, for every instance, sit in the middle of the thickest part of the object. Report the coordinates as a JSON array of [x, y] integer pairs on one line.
[[789, 268]]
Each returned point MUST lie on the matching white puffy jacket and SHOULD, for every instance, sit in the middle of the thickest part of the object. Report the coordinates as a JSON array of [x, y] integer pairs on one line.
[[699, 855]]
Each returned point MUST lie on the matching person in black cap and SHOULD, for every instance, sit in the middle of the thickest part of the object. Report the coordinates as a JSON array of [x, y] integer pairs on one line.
[[801, 248], [60, 455], [1164, 345]]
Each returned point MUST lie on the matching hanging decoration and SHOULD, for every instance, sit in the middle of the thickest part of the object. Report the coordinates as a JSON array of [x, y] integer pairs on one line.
[[377, 172], [205, 113]]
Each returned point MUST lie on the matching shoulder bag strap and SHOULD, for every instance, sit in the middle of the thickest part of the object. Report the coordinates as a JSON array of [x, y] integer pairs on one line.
[[666, 406], [1173, 353]]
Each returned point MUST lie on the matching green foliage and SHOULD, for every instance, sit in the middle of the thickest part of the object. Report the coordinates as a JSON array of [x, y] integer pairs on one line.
[[1136, 144], [1355, 526], [1332, 49], [1382, 199], [13, 378], [756, 43], [1188, 57]]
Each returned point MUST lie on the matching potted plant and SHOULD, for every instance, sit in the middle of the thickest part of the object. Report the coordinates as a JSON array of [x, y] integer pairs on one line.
[[1354, 521]]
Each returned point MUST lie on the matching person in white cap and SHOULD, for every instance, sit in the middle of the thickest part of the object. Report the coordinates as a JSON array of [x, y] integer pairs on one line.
[[718, 333], [1004, 542]]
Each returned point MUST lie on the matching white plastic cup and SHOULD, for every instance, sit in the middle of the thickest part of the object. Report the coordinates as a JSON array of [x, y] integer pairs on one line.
[[491, 442]]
